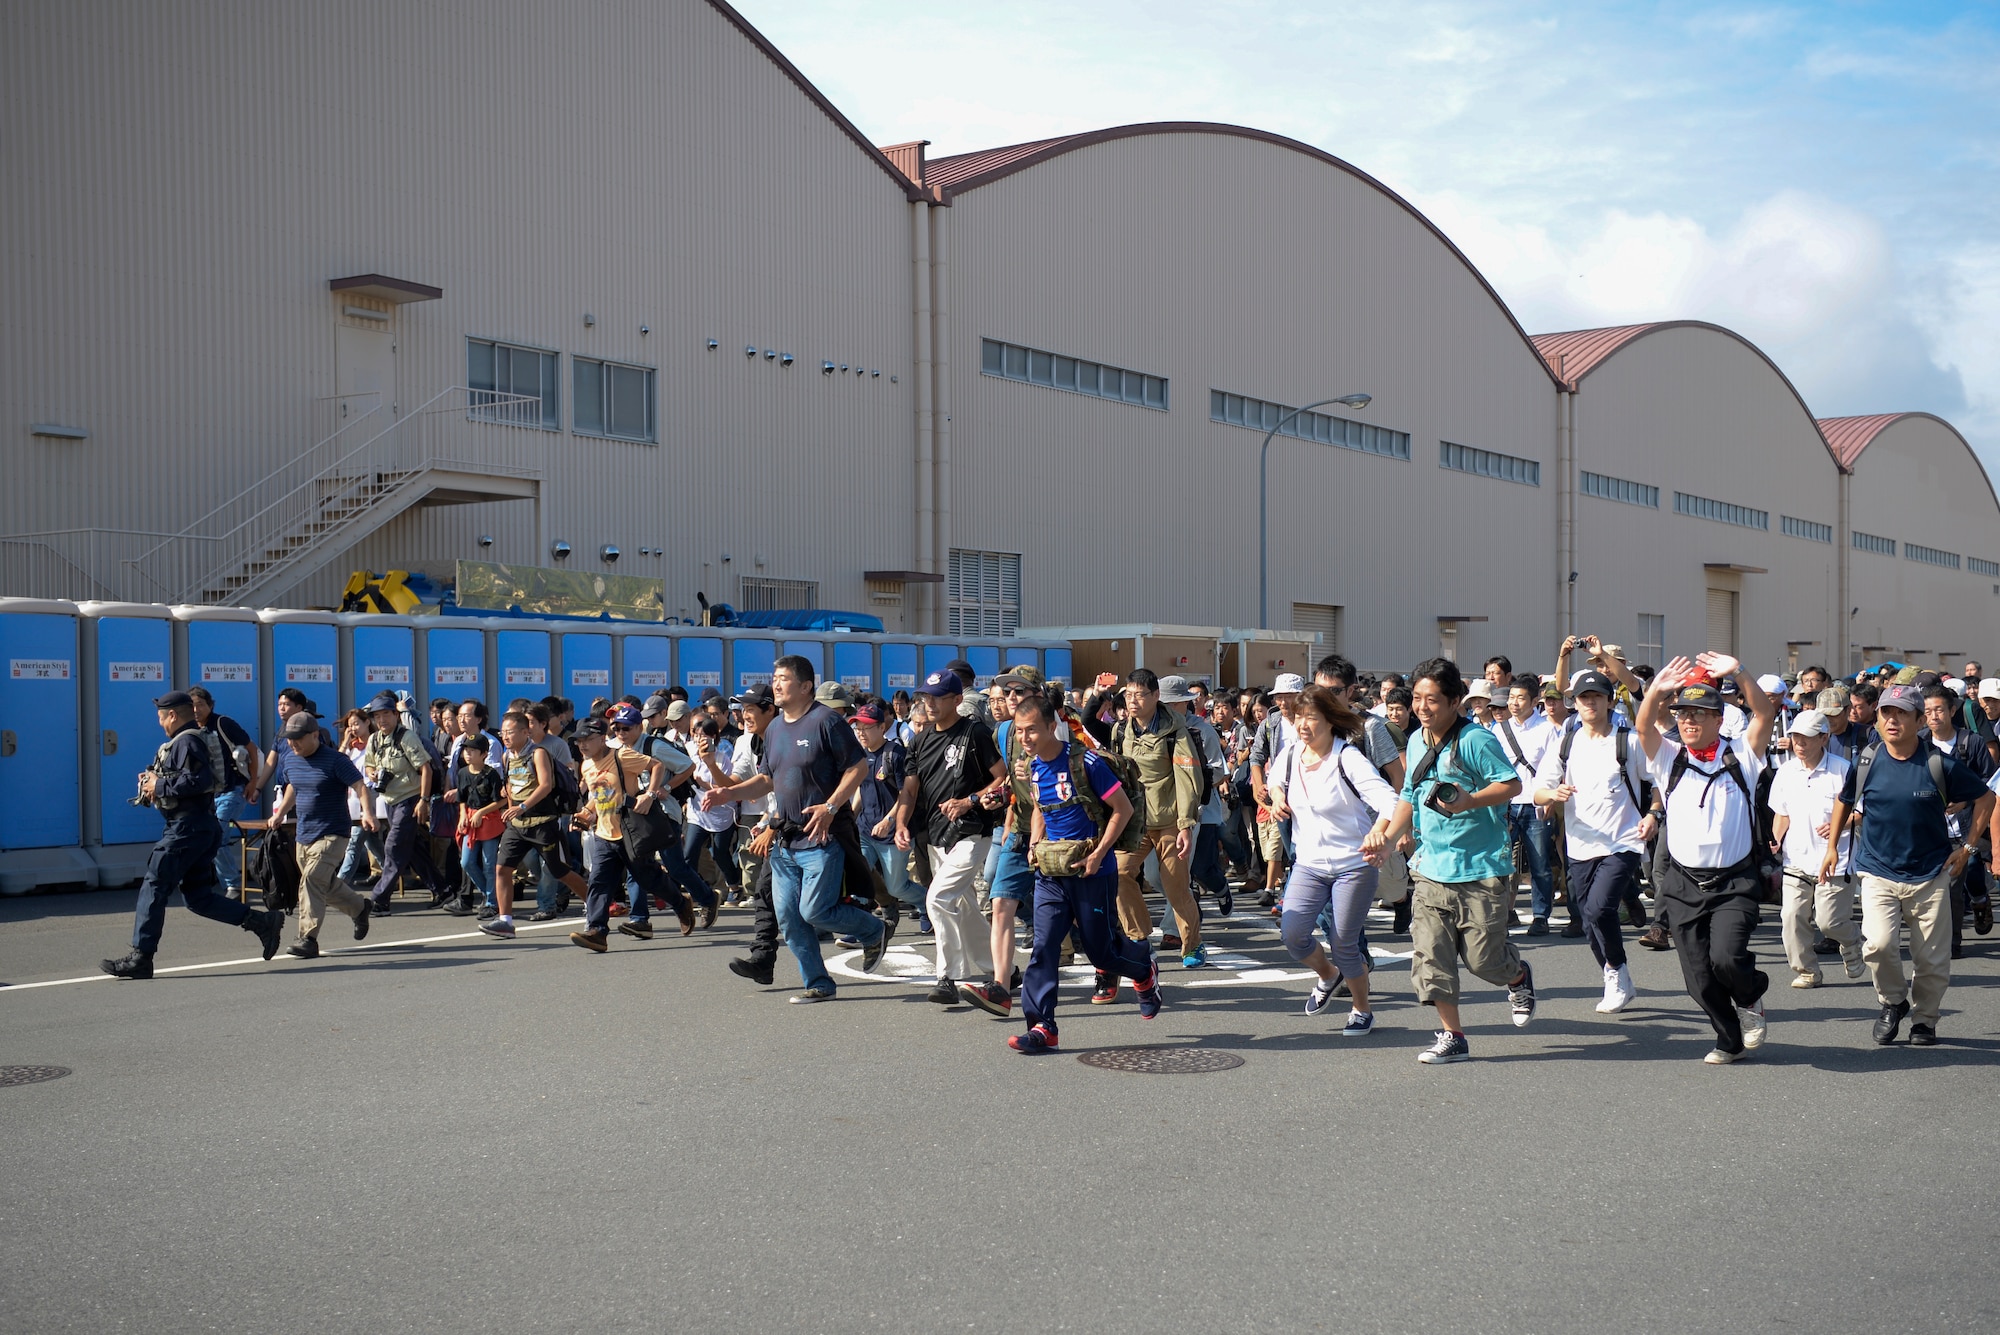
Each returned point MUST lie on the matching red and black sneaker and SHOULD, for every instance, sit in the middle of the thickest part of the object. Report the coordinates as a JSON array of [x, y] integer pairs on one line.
[[1148, 989], [1107, 989], [1040, 1038]]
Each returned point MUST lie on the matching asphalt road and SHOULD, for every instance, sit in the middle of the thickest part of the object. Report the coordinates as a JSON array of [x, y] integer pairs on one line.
[[470, 1135]]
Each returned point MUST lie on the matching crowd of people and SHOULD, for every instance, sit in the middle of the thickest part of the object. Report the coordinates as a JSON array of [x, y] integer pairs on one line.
[[1679, 803]]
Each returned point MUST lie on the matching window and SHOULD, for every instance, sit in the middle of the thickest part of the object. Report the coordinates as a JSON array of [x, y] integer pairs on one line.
[[1618, 489], [1722, 512], [984, 589], [1652, 645], [1320, 621], [1930, 556], [1981, 567], [1868, 542], [613, 400], [1012, 362], [1256, 414], [1805, 528], [755, 593], [498, 372], [1486, 463]]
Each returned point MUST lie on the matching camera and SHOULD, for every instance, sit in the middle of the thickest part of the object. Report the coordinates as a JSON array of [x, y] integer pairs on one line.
[[1441, 793], [141, 798]]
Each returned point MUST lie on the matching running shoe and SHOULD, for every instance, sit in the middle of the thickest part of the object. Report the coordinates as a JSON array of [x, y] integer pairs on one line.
[[1107, 990], [642, 928], [1149, 994], [944, 994], [500, 927], [1040, 1038], [1449, 1048], [1521, 996], [1618, 990], [871, 954], [1754, 1024], [811, 996], [989, 997], [1196, 958], [1319, 998], [1359, 1024], [1717, 1057], [1850, 955]]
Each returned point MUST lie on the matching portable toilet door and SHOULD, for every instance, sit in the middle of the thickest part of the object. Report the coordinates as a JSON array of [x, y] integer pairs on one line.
[[899, 667], [523, 659], [586, 668], [454, 664], [41, 783], [854, 664], [752, 661], [700, 664], [936, 656], [647, 666], [302, 652], [813, 652], [218, 652], [129, 648], [1014, 656], [985, 660], [382, 652], [1056, 665]]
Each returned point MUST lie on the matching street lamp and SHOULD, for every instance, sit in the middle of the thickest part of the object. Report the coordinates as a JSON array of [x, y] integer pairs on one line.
[[1355, 401]]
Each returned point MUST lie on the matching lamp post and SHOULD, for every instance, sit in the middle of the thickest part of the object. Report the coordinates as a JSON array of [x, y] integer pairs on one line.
[[1355, 401]]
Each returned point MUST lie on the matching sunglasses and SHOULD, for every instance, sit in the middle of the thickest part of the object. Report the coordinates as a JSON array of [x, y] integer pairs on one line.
[[1015, 692]]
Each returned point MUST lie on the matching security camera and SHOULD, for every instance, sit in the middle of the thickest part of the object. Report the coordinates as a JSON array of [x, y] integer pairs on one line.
[[607, 553], [559, 549], [786, 359], [486, 540], [645, 329]]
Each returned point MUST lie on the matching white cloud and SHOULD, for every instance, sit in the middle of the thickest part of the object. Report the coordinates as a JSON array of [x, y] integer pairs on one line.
[[1965, 327]]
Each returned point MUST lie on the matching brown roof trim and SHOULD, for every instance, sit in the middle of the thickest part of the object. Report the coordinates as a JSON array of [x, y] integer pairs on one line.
[[1006, 161], [1600, 345], [384, 288], [791, 71], [902, 576], [1856, 434]]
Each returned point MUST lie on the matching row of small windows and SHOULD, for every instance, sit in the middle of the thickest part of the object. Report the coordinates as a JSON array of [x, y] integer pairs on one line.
[[1868, 542], [1983, 567], [1930, 556], [1807, 529], [1489, 463], [1620, 489], [1258, 415], [612, 399], [1010, 361], [1722, 512]]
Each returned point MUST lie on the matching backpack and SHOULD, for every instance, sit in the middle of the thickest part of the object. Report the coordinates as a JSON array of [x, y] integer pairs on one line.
[[1733, 769], [1201, 763], [274, 869], [1117, 751], [1934, 759], [566, 798], [406, 714], [667, 803], [1133, 837], [1624, 737]]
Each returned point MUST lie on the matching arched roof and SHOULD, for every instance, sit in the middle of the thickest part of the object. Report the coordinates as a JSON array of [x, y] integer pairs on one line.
[[1572, 355], [944, 179], [1849, 436]]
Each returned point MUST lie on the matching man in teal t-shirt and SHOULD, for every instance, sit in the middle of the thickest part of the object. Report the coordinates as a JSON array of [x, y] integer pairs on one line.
[[1457, 783]]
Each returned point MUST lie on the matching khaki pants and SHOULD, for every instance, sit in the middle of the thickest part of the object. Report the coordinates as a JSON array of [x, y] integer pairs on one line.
[[1885, 906], [319, 887], [1463, 922], [1133, 913], [964, 940], [1808, 902]]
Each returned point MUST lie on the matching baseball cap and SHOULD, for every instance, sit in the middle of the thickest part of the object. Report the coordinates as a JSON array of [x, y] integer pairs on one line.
[[709, 693], [1809, 723], [621, 716], [1587, 682], [1481, 689], [1697, 696], [383, 700], [1833, 700], [181, 700], [833, 695], [1288, 683], [1553, 691], [1728, 686], [1989, 689], [1021, 675], [301, 724], [961, 669], [592, 727], [758, 696], [872, 712], [1906, 698], [1174, 690], [942, 683], [1771, 683], [655, 704], [678, 709]]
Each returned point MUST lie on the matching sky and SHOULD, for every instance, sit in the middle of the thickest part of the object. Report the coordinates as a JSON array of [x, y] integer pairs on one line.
[[1822, 178]]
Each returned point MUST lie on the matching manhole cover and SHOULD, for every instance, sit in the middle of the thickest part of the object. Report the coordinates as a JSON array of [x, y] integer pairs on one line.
[[30, 1075], [1161, 1061]]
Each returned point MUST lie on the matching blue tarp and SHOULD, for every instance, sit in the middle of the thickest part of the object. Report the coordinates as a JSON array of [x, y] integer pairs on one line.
[[810, 619]]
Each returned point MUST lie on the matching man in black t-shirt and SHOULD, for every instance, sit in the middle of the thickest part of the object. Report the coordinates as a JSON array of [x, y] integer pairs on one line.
[[239, 784], [955, 785]]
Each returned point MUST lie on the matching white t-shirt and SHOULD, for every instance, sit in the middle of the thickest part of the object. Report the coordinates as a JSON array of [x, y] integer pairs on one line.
[[1533, 738], [724, 816], [1805, 797], [1603, 818], [1328, 821], [1735, 721], [1709, 823]]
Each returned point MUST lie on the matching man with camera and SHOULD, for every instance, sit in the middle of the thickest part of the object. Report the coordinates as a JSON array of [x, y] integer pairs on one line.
[[181, 784], [397, 764]]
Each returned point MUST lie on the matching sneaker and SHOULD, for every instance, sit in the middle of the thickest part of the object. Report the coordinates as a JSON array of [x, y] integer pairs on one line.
[[1618, 990], [541, 915], [1107, 990], [500, 927], [847, 942], [361, 922], [268, 928], [1196, 958], [305, 948], [1806, 981], [1359, 1024], [1521, 996], [597, 942], [1148, 990], [1890, 1023], [1538, 927], [1014, 982], [743, 968], [1449, 1048], [924, 927], [1170, 944], [1923, 1036], [618, 909], [642, 928], [1040, 1038], [708, 914], [1857, 968], [1982, 917], [1754, 1024], [871, 954], [1319, 998], [989, 997], [811, 996], [130, 965], [944, 994], [1225, 903], [487, 912], [1265, 899], [1717, 1057]]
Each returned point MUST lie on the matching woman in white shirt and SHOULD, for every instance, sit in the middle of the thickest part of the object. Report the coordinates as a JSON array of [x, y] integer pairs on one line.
[[714, 828], [1334, 798], [364, 842]]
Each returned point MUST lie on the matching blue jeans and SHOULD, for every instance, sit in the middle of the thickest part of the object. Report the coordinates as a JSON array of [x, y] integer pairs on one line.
[[1205, 870], [228, 864], [682, 873], [1011, 877], [720, 845], [805, 892], [361, 843], [894, 865], [478, 859], [1530, 834]]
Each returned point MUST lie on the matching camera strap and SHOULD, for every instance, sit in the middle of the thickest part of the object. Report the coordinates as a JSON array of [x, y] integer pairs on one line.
[[1429, 763]]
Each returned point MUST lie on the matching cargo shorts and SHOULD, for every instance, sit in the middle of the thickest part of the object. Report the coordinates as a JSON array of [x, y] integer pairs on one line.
[[1459, 923]]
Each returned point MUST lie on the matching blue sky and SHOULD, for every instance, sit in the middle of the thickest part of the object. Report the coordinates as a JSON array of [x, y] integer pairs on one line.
[[1825, 179]]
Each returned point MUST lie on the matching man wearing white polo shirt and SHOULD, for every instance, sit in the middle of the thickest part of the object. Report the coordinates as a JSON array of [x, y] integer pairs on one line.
[[1803, 793]]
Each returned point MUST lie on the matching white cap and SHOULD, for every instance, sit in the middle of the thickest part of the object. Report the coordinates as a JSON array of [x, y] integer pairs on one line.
[[1771, 683], [1480, 689], [1288, 683], [1989, 689], [1955, 684], [1809, 723]]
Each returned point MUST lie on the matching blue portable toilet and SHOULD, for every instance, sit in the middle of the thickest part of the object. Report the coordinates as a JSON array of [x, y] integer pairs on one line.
[[1056, 665], [523, 665], [700, 664], [644, 659], [381, 655], [937, 655], [1014, 655], [985, 660], [586, 667], [854, 663], [752, 661], [302, 651], [41, 780], [128, 651], [217, 648], [900, 667], [454, 663], [813, 651]]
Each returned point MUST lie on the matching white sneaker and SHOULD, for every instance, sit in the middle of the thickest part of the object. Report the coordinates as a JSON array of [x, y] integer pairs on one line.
[[1754, 1024], [1806, 980], [1618, 990], [1717, 1057], [1857, 968]]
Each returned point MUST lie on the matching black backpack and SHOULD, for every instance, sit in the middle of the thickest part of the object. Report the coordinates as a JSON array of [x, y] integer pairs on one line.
[[1624, 736], [1934, 759], [566, 798]]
